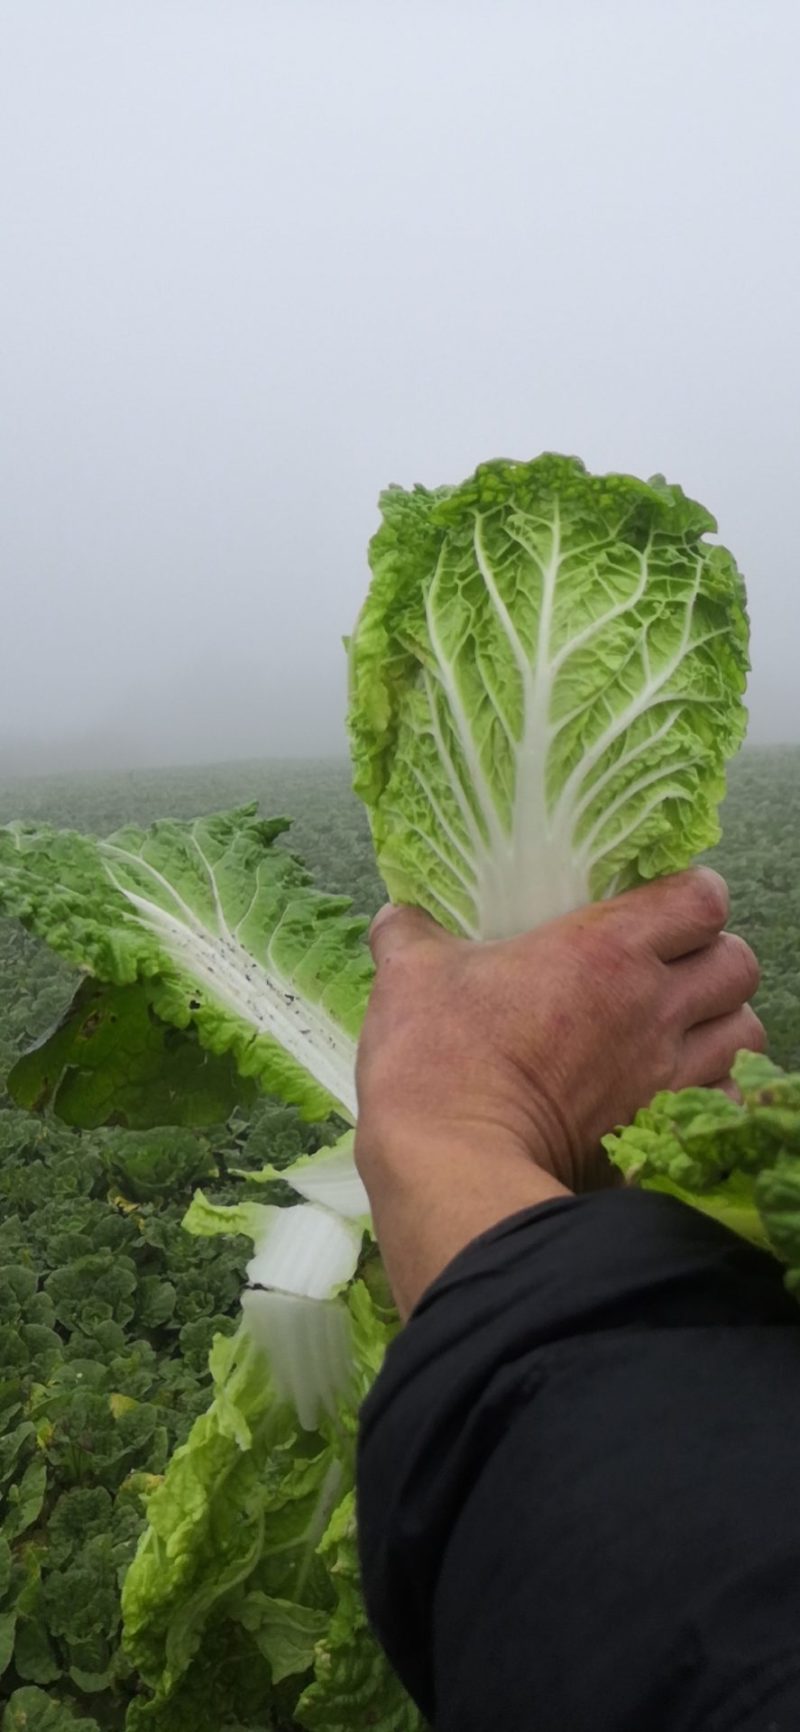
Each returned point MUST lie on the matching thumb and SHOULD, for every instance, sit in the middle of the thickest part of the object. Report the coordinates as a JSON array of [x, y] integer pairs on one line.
[[397, 928]]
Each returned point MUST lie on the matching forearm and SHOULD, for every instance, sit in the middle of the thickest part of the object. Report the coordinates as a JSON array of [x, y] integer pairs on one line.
[[430, 1201]]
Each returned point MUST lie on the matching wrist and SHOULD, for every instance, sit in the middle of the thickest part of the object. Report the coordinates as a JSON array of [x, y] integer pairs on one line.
[[400, 1148], [434, 1189]]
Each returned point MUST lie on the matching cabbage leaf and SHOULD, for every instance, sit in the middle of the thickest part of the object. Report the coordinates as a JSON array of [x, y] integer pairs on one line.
[[738, 1161], [545, 682], [227, 929]]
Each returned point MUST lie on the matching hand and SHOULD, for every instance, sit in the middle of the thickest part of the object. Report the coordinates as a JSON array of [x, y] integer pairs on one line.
[[553, 1038], [535, 1046]]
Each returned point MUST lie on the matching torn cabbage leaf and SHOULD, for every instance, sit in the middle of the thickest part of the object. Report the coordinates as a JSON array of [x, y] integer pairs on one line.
[[738, 1161], [303, 1257], [328, 1176]]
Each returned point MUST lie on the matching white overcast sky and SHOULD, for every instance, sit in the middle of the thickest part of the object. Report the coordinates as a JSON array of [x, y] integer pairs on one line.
[[261, 257]]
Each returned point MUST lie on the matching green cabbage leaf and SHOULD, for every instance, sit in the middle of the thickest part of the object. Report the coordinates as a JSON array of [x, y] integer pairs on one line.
[[224, 925], [738, 1161], [545, 682]]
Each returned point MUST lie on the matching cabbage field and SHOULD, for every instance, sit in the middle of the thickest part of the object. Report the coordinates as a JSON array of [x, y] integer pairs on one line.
[[545, 684], [108, 1307]]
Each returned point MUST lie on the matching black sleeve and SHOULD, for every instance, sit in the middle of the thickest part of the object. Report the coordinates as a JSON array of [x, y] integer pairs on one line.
[[579, 1480]]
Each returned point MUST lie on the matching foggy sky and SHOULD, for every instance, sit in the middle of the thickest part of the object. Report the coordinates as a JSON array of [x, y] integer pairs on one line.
[[262, 257]]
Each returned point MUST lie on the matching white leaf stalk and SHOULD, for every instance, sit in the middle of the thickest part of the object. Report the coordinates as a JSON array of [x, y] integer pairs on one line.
[[257, 993], [303, 1257]]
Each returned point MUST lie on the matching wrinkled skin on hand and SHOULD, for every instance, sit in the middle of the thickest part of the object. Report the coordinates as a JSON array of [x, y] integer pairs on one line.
[[543, 1043]]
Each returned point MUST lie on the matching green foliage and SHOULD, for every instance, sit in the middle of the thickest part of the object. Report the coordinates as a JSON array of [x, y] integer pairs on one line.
[[758, 856], [232, 1555], [352, 1685], [108, 1308], [33, 1710], [107, 1313], [111, 1059]]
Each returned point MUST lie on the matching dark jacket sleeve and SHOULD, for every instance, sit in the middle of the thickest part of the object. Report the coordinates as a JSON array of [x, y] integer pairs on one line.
[[579, 1480]]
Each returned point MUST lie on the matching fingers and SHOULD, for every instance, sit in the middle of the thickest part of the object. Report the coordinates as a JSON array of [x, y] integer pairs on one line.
[[681, 913], [714, 981], [710, 1048], [395, 929]]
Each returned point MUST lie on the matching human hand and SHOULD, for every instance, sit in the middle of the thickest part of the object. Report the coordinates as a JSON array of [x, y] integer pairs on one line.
[[541, 1044]]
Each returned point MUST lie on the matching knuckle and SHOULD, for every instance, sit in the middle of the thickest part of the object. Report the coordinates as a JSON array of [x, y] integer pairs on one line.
[[389, 919], [399, 929], [619, 980], [753, 1032], [743, 963], [663, 1070], [604, 948], [709, 894]]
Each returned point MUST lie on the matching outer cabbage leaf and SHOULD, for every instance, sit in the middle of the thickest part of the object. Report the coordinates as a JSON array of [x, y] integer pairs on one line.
[[737, 1161], [328, 1176], [242, 1502], [226, 1689], [226, 929], [285, 1633], [545, 682], [302, 1257], [354, 1685], [111, 1059], [234, 1541], [306, 1250]]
